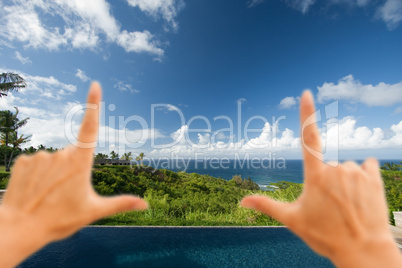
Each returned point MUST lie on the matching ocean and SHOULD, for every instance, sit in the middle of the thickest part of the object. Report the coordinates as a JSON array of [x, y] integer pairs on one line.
[[262, 172]]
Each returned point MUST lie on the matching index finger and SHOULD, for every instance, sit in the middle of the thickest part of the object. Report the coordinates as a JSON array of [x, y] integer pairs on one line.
[[310, 136], [90, 124]]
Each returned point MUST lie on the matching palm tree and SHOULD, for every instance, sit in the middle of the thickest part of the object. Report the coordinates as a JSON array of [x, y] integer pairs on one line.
[[127, 156], [51, 149], [9, 123], [140, 157], [14, 139], [41, 147], [114, 155], [10, 82], [30, 150], [101, 156]]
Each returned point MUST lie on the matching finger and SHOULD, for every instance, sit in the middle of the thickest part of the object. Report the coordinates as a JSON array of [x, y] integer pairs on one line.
[[111, 205], [270, 207], [372, 167], [310, 136], [89, 128]]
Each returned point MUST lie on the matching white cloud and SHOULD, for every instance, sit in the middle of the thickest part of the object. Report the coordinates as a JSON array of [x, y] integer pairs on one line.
[[168, 9], [49, 123], [122, 86], [301, 5], [253, 3], [350, 89], [139, 42], [23, 60], [84, 25], [288, 103], [241, 100], [82, 75], [40, 86], [391, 13], [342, 135]]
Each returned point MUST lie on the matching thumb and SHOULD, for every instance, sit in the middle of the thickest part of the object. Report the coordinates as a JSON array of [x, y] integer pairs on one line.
[[280, 211], [111, 205]]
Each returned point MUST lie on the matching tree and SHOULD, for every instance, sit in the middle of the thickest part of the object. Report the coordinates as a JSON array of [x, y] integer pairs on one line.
[[9, 123], [391, 166], [127, 156], [7, 155], [30, 150], [41, 147], [140, 157], [51, 149], [14, 139], [114, 155], [10, 82], [101, 156]]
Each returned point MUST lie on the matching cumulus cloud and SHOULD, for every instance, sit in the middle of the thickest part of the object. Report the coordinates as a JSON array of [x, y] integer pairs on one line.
[[344, 135], [122, 86], [168, 9], [288, 103], [350, 89], [82, 75], [85, 25], [56, 123], [44, 87], [391, 13], [23, 60]]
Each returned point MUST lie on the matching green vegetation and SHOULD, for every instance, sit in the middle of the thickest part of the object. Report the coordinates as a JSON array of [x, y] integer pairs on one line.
[[182, 199], [393, 190]]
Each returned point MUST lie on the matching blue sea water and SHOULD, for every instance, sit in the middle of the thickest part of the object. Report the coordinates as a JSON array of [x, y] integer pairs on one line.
[[262, 172], [178, 247]]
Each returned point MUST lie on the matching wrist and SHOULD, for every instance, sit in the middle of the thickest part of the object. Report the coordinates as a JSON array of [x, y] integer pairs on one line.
[[20, 237], [376, 252]]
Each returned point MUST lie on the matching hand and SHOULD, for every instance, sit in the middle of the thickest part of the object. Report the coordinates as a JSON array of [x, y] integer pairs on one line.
[[342, 212], [50, 196]]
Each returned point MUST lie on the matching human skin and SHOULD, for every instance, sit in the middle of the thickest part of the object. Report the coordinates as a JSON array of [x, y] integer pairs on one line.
[[342, 212], [50, 196]]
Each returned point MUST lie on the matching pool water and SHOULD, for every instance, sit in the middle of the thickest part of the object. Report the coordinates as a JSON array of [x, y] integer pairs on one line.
[[178, 247]]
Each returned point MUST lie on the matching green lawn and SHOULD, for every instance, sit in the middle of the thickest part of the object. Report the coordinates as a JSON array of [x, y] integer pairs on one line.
[[3, 169]]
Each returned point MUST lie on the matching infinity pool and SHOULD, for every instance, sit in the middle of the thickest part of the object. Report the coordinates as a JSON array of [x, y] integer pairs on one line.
[[178, 247]]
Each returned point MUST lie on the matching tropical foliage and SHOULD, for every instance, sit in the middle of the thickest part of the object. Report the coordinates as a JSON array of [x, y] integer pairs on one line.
[[101, 156], [114, 155], [10, 82], [391, 166], [127, 156], [9, 124], [140, 158], [182, 198]]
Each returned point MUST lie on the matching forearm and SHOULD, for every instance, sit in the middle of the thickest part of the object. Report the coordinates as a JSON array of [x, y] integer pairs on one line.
[[18, 240]]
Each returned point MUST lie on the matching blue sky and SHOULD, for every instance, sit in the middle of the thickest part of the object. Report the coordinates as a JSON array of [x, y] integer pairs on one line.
[[205, 58]]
